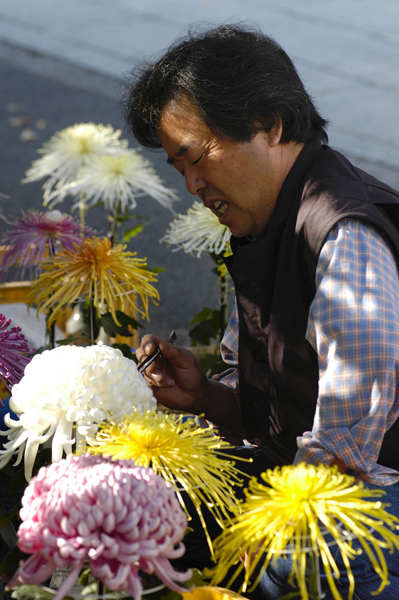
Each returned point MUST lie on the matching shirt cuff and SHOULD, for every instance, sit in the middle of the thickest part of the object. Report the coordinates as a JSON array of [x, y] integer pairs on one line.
[[338, 442]]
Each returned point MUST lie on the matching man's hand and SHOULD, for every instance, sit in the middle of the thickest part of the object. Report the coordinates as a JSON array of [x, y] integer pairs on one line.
[[175, 377]]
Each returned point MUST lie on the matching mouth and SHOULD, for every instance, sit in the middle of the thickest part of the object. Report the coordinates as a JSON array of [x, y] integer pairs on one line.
[[220, 207]]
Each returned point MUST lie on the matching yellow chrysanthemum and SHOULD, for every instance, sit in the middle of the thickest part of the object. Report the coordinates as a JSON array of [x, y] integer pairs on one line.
[[188, 457], [94, 269], [303, 504]]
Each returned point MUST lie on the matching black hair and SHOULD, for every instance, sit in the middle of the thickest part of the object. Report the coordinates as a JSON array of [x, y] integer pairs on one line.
[[240, 80]]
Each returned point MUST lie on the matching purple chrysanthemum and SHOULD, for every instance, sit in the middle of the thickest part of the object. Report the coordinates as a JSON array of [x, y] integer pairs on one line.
[[36, 233], [14, 353], [119, 517]]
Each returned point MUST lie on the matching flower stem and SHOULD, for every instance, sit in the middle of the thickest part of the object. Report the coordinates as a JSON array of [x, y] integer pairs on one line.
[[92, 317], [114, 219], [82, 213]]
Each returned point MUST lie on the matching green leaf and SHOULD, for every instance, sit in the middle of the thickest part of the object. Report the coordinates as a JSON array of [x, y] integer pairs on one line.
[[207, 327], [91, 588], [10, 561], [84, 577], [197, 579], [17, 481], [128, 320], [70, 339], [9, 514], [131, 233], [204, 315], [112, 328], [126, 351], [202, 333], [34, 592]]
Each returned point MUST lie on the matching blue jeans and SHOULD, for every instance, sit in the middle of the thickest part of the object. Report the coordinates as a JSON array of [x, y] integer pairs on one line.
[[273, 584]]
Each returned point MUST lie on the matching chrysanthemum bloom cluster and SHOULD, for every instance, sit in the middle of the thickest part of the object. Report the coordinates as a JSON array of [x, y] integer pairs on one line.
[[37, 233], [303, 504], [191, 459], [118, 179], [91, 161], [93, 270], [67, 152], [14, 353], [67, 386], [197, 231], [118, 516]]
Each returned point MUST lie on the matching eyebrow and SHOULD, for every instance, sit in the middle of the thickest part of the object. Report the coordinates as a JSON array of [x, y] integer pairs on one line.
[[182, 150]]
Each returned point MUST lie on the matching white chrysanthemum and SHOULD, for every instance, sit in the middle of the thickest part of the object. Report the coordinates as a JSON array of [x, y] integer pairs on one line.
[[67, 152], [68, 386], [120, 178], [197, 231]]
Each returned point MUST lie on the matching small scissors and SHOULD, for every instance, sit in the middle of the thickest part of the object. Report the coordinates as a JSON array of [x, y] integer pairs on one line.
[[150, 359]]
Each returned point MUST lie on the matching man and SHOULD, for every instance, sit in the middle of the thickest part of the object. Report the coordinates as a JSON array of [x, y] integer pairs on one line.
[[314, 340]]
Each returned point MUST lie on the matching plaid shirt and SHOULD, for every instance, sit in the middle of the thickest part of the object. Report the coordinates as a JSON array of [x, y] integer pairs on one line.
[[354, 327]]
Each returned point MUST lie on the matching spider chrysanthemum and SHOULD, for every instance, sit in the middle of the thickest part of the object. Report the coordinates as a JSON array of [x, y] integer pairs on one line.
[[303, 504], [118, 179], [66, 152], [198, 231], [36, 233], [188, 457], [93, 270]]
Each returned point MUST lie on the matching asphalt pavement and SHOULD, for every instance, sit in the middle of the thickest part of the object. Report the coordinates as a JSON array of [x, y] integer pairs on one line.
[[64, 62]]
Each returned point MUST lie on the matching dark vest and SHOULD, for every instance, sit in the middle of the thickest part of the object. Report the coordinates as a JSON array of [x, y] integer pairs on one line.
[[274, 280]]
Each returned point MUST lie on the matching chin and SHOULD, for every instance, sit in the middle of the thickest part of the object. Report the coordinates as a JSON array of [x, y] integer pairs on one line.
[[239, 233]]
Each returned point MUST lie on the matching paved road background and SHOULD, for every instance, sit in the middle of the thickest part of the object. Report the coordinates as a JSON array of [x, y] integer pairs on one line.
[[64, 62]]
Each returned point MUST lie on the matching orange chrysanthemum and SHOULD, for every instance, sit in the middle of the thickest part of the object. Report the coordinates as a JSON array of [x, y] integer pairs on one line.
[[109, 275]]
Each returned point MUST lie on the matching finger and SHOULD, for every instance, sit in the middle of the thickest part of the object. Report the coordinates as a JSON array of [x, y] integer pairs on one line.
[[158, 379], [148, 343], [147, 347], [180, 356]]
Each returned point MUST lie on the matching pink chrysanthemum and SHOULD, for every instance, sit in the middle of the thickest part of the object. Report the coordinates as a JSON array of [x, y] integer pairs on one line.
[[116, 515], [14, 353], [36, 233]]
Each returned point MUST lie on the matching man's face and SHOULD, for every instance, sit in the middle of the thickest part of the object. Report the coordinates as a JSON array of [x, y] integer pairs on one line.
[[238, 181]]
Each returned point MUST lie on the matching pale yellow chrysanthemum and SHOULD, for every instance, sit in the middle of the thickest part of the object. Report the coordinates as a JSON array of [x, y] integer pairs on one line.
[[66, 152], [188, 457], [112, 277], [118, 179], [302, 505], [197, 231]]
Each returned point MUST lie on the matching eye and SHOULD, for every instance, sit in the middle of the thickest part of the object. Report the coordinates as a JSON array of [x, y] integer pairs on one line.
[[198, 159], [182, 173]]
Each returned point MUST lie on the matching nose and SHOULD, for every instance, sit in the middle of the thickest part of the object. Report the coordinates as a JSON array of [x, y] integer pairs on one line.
[[194, 183]]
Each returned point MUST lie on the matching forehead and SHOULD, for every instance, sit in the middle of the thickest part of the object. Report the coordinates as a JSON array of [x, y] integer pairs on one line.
[[181, 128]]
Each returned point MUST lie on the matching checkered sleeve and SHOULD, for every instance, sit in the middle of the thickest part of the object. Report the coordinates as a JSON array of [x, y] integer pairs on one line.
[[354, 327]]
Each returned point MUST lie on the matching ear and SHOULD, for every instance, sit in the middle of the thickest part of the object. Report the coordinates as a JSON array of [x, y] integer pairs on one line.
[[274, 135]]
